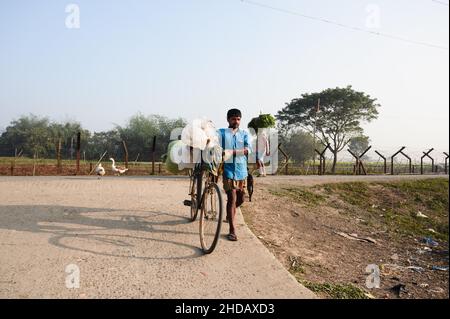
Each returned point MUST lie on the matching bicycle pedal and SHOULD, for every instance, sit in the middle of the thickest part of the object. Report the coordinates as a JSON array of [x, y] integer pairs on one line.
[[187, 203]]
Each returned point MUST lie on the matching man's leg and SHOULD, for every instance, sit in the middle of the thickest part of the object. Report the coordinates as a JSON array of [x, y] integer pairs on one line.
[[260, 167], [231, 210]]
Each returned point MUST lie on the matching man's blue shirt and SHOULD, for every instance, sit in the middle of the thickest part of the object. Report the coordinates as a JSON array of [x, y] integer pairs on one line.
[[236, 166]]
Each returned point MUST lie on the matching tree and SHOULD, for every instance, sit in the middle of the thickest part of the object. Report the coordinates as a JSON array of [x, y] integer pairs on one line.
[[67, 132], [29, 134], [339, 118], [299, 145], [140, 130], [34, 135], [99, 142], [359, 144]]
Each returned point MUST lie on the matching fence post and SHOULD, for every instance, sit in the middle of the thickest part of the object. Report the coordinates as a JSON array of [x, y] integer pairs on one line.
[[393, 157], [78, 151], [126, 153], [410, 161], [319, 169], [34, 163], [286, 157], [153, 155], [427, 154], [446, 163], [322, 159], [12, 167], [58, 156], [385, 162], [356, 170]]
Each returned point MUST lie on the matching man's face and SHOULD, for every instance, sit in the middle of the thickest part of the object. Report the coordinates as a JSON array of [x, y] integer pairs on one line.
[[234, 122]]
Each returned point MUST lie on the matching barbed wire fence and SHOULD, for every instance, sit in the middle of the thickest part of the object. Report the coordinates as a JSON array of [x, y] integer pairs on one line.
[[377, 161], [76, 157]]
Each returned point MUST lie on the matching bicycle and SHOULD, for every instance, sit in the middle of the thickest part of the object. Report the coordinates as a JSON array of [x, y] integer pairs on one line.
[[208, 199]]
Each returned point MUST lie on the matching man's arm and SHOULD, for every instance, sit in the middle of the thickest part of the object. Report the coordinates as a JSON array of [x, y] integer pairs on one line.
[[241, 152], [247, 147]]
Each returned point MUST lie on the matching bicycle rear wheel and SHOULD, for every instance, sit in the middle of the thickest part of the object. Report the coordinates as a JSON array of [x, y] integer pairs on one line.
[[210, 218]]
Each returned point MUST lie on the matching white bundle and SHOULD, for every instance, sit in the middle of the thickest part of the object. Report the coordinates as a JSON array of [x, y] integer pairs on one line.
[[211, 132], [183, 166], [176, 152], [180, 154], [197, 134]]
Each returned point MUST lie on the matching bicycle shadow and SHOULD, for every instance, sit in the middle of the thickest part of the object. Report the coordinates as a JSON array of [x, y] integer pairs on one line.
[[105, 232]]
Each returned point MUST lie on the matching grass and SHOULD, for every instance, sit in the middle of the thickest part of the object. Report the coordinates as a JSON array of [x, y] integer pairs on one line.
[[329, 290], [336, 291], [429, 197], [388, 205], [354, 193], [299, 194], [430, 193], [296, 266]]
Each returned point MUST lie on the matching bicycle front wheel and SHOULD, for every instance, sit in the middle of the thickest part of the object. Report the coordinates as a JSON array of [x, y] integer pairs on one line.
[[210, 218]]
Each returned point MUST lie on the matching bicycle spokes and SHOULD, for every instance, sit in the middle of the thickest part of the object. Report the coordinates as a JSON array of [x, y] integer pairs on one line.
[[211, 218]]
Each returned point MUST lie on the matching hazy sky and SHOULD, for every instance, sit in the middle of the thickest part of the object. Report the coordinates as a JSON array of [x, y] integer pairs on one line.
[[192, 58]]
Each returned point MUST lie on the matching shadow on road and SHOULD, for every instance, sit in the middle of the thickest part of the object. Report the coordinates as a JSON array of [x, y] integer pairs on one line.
[[90, 229]]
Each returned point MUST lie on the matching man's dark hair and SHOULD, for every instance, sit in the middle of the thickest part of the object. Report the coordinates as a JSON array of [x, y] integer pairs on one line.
[[234, 113]]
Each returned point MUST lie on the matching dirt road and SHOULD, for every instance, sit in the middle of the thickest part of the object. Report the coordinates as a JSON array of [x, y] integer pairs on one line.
[[128, 238]]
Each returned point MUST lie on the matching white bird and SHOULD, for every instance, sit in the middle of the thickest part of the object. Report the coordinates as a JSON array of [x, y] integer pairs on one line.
[[100, 171], [117, 169]]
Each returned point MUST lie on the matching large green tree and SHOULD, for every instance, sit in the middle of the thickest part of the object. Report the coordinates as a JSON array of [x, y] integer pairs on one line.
[[67, 133], [140, 130], [29, 135], [299, 145], [99, 142], [338, 119], [34, 135]]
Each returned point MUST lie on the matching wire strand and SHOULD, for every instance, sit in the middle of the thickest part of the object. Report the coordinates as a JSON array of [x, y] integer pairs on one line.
[[441, 2], [354, 28]]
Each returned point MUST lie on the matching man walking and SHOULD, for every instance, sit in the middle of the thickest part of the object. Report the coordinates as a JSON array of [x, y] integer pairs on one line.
[[236, 146], [262, 151]]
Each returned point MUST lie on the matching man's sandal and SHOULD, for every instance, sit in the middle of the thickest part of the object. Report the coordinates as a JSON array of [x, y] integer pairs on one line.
[[232, 237]]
